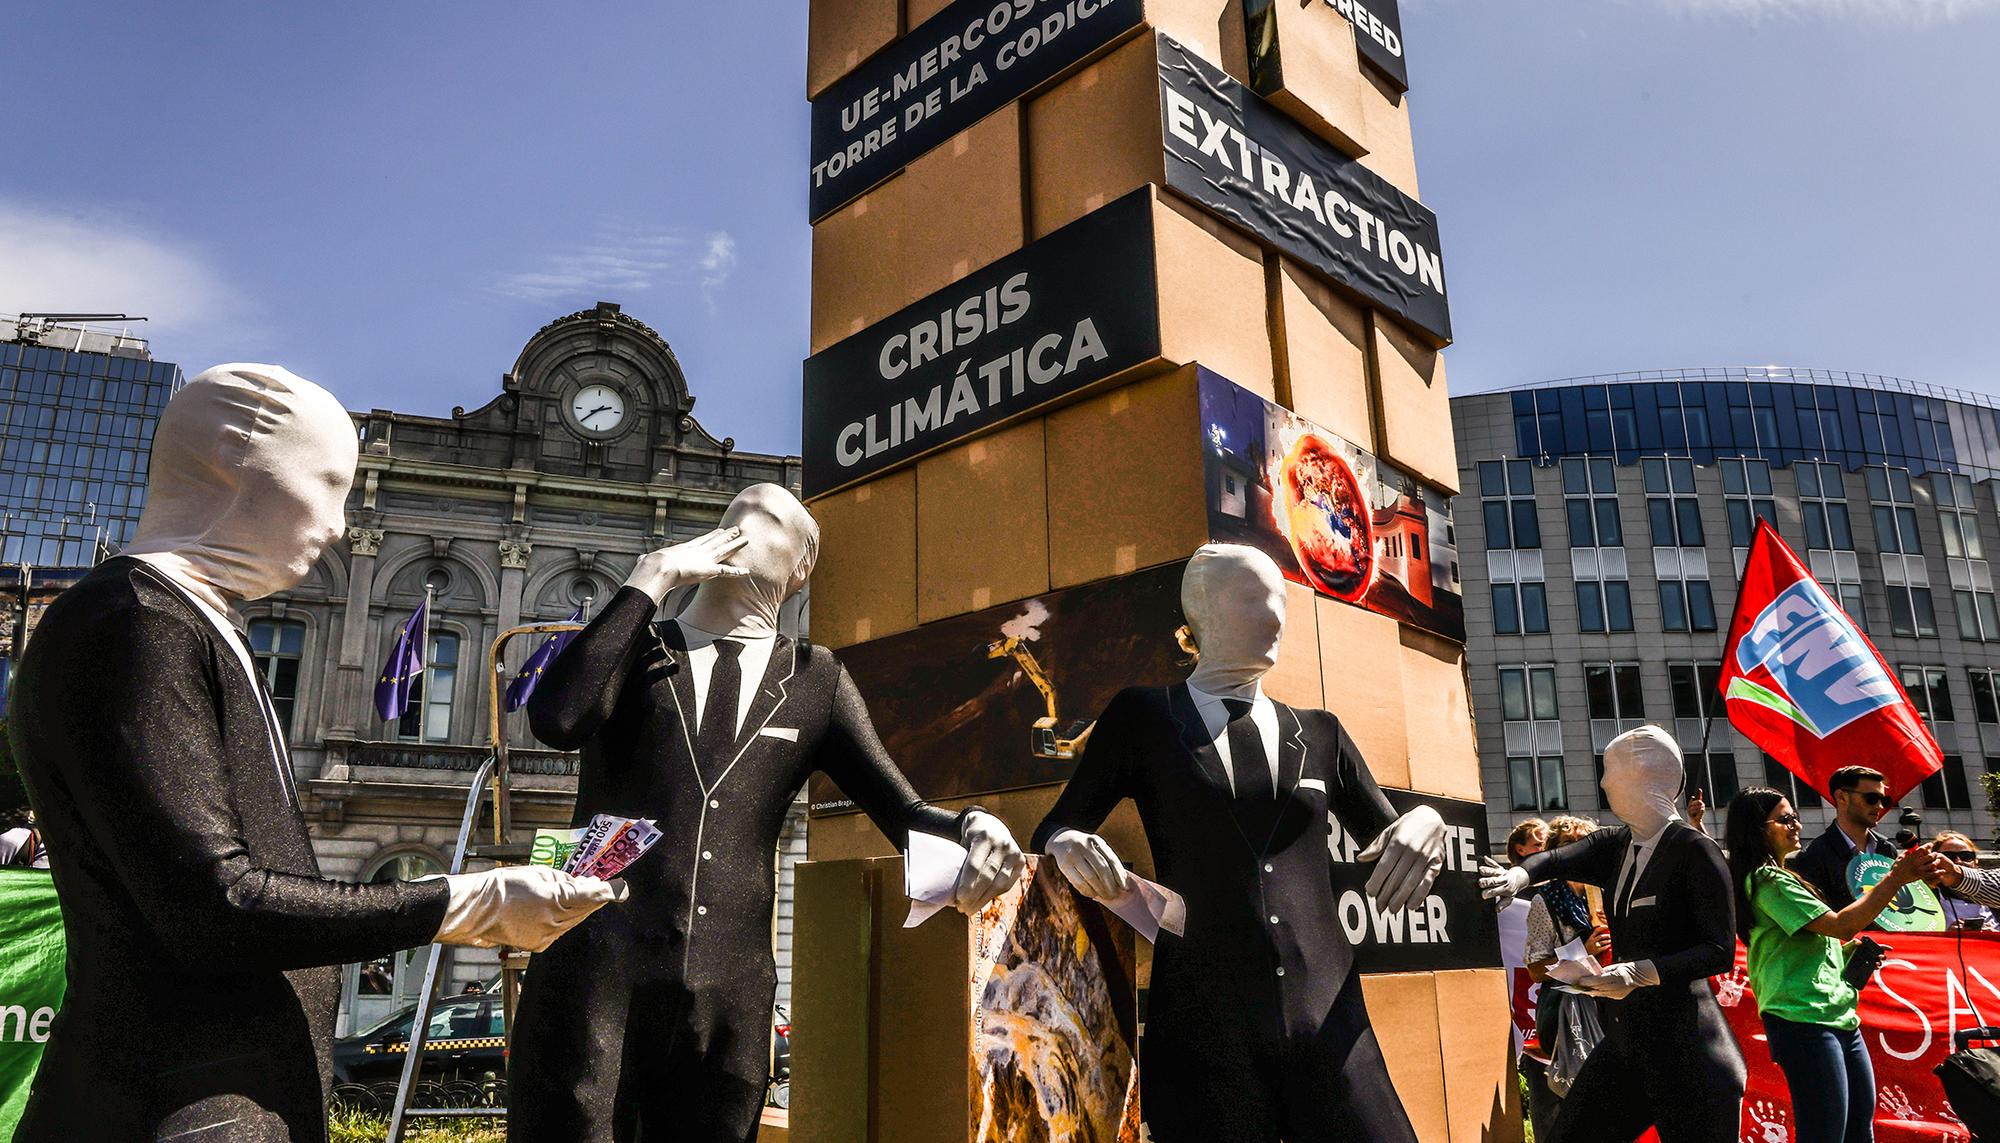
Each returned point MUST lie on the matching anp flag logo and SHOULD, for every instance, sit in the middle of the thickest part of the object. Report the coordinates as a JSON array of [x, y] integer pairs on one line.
[[1803, 682], [1822, 674]]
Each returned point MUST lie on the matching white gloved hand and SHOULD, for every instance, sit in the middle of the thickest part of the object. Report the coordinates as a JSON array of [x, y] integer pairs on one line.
[[1620, 980], [1501, 884], [520, 906], [1090, 864], [1407, 858], [677, 565], [993, 861]]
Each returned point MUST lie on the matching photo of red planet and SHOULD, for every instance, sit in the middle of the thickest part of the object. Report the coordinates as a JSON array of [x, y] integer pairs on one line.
[[1327, 518]]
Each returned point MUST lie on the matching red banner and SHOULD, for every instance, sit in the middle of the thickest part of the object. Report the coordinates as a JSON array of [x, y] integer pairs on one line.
[[1909, 1013], [1801, 681]]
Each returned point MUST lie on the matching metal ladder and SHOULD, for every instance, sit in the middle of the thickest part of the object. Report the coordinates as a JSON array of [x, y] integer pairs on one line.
[[494, 770]]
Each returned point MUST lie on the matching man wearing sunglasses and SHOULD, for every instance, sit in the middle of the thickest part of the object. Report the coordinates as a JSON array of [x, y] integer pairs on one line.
[[1860, 800]]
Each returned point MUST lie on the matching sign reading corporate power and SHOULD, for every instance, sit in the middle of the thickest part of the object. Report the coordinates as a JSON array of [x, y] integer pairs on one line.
[[1450, 928], [1247, 162], [950, 72], [1062, 313]]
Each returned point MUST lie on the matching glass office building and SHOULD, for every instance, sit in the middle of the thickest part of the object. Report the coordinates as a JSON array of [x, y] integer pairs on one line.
[[77, 413], [1603, 522]]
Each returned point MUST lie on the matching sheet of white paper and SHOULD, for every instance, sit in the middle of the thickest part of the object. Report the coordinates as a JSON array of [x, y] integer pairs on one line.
[[930, 872], [1148, 907], [1574, 971]]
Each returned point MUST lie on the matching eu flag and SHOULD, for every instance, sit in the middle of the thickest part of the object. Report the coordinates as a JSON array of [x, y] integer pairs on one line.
[[405, 666], [531, 671]]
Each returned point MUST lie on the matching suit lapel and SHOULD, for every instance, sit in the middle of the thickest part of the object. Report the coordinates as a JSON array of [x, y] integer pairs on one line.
[[1195, 739], [771, 692], [1291, 750], [669, 655]]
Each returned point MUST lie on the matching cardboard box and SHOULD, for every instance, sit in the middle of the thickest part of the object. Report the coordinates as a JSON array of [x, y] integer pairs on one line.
[[1405, 1012], [982, 523], [1214, 300], [1297, 680], [1305, 63], [947, 214], [865, 584], [1413, 403], [1125, 480], [842, 33], [1369, 699], [1094, 136], [1322, 338], [831, 1048], [915, 12], [1444, 753], [1482, 1098], [1386, 133]]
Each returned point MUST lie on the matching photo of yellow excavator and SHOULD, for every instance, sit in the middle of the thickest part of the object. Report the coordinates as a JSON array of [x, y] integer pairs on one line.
[[1050, 737]]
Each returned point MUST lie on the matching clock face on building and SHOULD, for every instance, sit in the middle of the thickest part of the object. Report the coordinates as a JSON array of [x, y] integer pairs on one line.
[[598, 409]]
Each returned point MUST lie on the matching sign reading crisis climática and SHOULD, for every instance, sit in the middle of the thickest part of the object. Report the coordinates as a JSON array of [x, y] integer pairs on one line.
[[1242, 159], [1062, 313], [950, 72]]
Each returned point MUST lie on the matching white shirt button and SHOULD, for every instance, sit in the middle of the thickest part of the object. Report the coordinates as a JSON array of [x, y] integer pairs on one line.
[[707, 856], [1281, 970], [1274, 918], [702, 911], [1268, 869], [714, 805]]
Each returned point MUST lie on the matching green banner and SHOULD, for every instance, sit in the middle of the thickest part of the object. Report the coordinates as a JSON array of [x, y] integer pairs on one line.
[[31, 983]]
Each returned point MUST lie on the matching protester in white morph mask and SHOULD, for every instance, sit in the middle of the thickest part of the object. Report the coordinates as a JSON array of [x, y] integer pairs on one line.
[[1668, 1058], [201, 936], [1256, 1029]]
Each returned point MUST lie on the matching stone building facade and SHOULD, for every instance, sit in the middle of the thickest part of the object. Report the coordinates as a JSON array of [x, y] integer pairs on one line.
[[516, 512]]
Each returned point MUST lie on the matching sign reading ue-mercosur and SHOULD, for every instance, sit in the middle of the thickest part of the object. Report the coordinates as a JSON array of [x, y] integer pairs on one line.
[[1246, 161], [1064, 312], [953, 70]]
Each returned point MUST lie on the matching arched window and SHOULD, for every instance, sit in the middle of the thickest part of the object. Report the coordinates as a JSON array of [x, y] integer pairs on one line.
[[277, 647], [428, 718]]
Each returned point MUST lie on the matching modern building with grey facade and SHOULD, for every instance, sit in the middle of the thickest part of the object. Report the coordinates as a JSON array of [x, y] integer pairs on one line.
[[1603, 525], [515, 512], [78, 406]]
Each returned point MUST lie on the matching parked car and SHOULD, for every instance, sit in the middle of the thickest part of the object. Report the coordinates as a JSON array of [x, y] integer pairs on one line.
[[780, 1093], [466, 1038]]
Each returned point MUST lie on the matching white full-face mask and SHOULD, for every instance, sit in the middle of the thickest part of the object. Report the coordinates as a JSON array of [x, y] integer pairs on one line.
[[781, 545], [1642, 778], [250, 470], [1234, 600]]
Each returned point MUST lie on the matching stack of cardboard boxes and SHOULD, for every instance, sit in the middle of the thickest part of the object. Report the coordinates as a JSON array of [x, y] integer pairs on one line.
[[931, 511]]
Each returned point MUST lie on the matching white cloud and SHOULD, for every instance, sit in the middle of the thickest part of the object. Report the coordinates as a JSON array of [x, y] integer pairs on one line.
[[716, 263], [620, 260], [55, 260], [1883, 11]]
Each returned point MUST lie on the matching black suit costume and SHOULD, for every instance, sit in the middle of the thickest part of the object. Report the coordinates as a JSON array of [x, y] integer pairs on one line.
[[1668, 1057], [654, 1016], [1824, 864], [195, 914], [1255, 1028]]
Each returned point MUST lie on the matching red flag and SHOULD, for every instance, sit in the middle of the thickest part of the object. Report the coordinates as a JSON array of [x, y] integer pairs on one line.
[[1801, 681]]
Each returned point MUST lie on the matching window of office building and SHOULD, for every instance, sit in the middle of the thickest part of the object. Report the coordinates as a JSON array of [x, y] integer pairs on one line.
[[1672, 511], [1947, 789], [1893, 507], [277, 646], [1911, 611], [1929, 692], [1788, 784], [1521, 608], [1507, 498], [1614, 691], [1533, 737], [428, 718], [1823, 504], [1746, 487], [1686, 605], [1695, 689], [1714, 774], [1965, 558], [1603, 605], [1985, 694], [1590, 500]]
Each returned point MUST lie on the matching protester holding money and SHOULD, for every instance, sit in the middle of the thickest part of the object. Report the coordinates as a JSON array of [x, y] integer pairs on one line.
[[653, 1020]]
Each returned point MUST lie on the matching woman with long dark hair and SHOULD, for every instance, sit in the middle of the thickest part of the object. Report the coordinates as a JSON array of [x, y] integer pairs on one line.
[[1797, 958]]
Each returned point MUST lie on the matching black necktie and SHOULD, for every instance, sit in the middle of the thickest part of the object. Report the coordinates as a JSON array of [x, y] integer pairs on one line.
[[717, 738], [1246, 753], [1623, 902]]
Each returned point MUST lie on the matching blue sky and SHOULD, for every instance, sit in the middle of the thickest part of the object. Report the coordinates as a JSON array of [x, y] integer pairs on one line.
[[391, 199]]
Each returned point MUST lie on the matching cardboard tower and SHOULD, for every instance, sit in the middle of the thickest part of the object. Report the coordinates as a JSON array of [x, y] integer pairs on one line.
[[1096, 282]]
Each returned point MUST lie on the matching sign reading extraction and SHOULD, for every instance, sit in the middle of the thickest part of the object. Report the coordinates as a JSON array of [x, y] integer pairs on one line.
[[956, 68], [1451, 928], [1062, 313], [1236, 155]]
